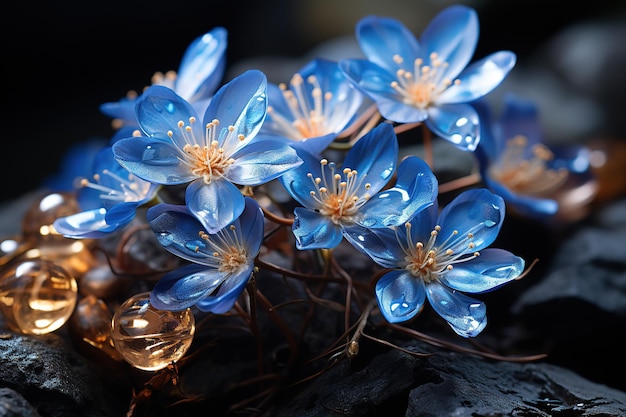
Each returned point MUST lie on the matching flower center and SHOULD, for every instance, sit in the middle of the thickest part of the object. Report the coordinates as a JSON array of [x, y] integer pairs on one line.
[[421, 85], [337, 194], [308, 122], [224, 250], [205, 157], [428, 260], [122, 189], [527, 175]]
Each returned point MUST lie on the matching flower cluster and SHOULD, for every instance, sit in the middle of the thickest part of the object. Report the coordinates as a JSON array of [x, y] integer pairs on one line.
[[216, 169], [221, 143]]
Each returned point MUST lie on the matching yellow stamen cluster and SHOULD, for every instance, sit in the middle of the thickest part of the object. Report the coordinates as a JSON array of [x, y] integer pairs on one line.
[[205, 157], [224, 249], [429, 261], [308, 122], [421, 85], [337, 195], [527, 174]]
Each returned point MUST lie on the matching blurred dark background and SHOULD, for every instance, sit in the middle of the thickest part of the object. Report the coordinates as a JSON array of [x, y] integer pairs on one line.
[[61, 61]]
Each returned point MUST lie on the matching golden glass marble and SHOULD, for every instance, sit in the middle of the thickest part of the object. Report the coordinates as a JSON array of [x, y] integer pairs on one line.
[[148, 338], [91, 323], [37, 296]]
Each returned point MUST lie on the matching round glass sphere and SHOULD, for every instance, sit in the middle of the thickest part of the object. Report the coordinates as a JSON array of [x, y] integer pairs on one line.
[[148, 338], [37, 296]]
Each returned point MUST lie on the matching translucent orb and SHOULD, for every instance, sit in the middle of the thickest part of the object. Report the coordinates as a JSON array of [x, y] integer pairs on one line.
[[37, 296], [92, 325], [148, 338], [38, 219]]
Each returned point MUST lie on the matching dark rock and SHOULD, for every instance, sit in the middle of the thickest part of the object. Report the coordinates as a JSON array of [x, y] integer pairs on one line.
[[52, 378], [451, 384], [12, 404]]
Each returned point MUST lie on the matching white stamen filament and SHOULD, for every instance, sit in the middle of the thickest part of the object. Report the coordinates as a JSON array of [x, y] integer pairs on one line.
[[307, 122], [421, 85], [224, 250], [527, 175], [209, 155], [429, 261], [337, 195], [130, 189]]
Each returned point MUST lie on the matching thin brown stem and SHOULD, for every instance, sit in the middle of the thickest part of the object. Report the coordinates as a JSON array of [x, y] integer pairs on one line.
[[459, 183]]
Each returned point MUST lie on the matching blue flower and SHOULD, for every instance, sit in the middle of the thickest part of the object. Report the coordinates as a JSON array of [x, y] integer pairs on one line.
[[515, 164], [222, 262], [212, 157], [109, 201], [199, 74], [317, 105], [440, 256], [428, 80], [344, 200]]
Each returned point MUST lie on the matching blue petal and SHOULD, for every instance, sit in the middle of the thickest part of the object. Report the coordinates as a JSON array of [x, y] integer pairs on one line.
[[526, 205], [520, 117], [122, 213], [375, 156], [123, 109], [490, 145], [379, 244], [466, 316], [242, 103], [316, 145], [476, 210], [416, 188], [400, 296], [184, 287], [176, 229], [314, 231], [298, 184], [262, 161], [492, 269], [227, 294], [251, 223], [152, 160], [380, 38], [215, 204], [422, 224], [375, 82], [202, 66], [453, 35], [456, 123], [160, 109], [89, 224], [479, 79]]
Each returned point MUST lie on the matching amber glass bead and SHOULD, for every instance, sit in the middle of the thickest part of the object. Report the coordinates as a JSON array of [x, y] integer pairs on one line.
[[148, 338], [91, 321], [37, 296]]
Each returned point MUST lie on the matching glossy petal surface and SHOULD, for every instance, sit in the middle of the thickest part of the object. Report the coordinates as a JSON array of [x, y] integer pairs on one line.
[[184, 287], [314, 231], [492, 269], [466, 316], [400, 296], [480, 78], [416, 188], [152, 160], [262, 161], [216, 204], [475, 210], [202, 66]]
